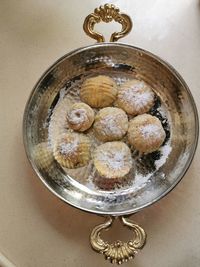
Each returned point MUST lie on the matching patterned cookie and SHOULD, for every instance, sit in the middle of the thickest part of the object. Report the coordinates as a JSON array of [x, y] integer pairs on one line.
[[72, 150], [99, 91]]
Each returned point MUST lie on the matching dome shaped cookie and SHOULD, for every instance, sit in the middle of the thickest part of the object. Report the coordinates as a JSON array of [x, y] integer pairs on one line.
[[145, 133], [99, 91], [80, 117], [43, 156], [113, 160], [110, 124], [135, 97], [72, 150]]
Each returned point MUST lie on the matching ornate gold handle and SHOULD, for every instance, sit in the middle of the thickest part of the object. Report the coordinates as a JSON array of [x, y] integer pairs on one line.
[[119, 251], [107, 13]]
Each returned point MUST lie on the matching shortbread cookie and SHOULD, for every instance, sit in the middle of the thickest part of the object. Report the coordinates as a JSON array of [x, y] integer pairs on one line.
[[110, 124], [43, 156], [80, 117], [145, 133], [113, 160], [99, 91], [72, 150], [135, 97]]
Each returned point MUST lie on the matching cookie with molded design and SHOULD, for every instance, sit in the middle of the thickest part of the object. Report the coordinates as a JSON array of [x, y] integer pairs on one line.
[[99, 91], [72, 150], [43, 156]]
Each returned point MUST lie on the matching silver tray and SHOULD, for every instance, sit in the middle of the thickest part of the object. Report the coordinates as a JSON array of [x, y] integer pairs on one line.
[[156, 173]]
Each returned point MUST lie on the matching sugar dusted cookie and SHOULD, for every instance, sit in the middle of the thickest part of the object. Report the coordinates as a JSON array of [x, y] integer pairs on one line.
[[99, 91], [113, 160], [135, 97], [145, 133], [72, 150], [80, 117], [110, 124]]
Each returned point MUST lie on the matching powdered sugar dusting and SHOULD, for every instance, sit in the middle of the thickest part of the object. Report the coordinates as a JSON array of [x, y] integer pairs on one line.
[[69, 148], [58, 124], [114, 157], [115, 160], [143, 99], [110, 125], [150, 130], [77, 116], [135, 97], [140, 180], [165, 151], [62, 93]]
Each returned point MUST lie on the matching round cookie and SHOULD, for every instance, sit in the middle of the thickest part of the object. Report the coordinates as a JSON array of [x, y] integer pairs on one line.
[[80, 117], [113, 160], [135, 97], [145, 133], [72, 150], [99, 91], [110, 124]]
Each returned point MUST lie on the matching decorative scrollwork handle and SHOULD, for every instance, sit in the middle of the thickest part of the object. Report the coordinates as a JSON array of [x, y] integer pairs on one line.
[[118, 252], [107, 13]]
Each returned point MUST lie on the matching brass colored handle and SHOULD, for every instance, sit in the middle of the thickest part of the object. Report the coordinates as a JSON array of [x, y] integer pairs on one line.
[[107, 13], [119, 251]]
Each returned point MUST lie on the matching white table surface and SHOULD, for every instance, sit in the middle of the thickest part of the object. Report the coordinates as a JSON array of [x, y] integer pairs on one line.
[[36, 228]]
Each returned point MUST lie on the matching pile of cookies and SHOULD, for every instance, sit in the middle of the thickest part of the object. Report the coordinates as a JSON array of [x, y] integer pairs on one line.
[[121, 112]]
